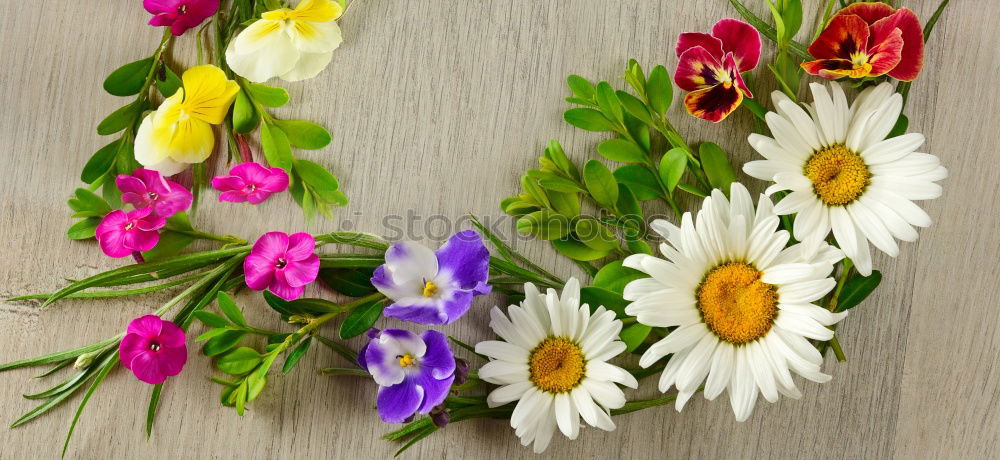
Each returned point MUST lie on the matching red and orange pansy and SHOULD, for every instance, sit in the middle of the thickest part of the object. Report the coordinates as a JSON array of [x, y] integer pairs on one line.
[[869, 40], [710, 67]]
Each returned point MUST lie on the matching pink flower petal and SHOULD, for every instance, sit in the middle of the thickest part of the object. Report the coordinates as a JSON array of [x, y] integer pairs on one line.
[[697, 69], [130, 184], [301, 273], [171, 360], [150, 223], [271, 245], [886, 54], [253, 173], [741, 39], [233, 196], [171, 335], [146, 368], [688, 40], [276, 181], [226, 183], [258, 197], [300, 246], [146, 326], [259, 271], [130, 346], [285, 291], [138, 240]]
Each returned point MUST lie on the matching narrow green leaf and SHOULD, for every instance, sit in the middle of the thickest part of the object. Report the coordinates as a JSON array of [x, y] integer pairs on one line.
[[361, 319], [120, 119], [128, 79], [716, 165], [902, 123], [672, 167], [576, 250], [560, 184], [588, 119], [245, 116], [230, 309], [268, 96], [59, 355], [694, 190], [296, 355], [239, 361], [633, 336], [791, 15], [659, 90], [857, 289], [621, 150], [634, 107], [100, 163], [767, 31], [599, 297], [934, 19], [305, 135], [318, 178], [277, 149], [211, 332], [86, 397], [601, 183], [211, 319], [170, 244], [154, 401]]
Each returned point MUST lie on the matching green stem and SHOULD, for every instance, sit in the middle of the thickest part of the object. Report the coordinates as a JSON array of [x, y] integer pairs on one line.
[[332, 371], [845, 274], [208, 236], [118, 293], [157, 62], [837, 351]]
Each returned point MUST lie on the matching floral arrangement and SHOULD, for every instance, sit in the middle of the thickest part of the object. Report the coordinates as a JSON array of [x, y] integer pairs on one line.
[[742, 293]]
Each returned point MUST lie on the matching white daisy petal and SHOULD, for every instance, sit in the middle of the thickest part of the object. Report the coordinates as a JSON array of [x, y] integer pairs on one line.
[[507, 393]]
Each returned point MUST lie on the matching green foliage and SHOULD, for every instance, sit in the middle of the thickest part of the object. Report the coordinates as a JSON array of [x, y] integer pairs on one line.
[[857, 289], [361, 319], [716, 163], [128, 79], [245, 116]]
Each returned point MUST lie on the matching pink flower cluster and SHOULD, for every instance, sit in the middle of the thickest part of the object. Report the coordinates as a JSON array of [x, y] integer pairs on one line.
[[121, 233]]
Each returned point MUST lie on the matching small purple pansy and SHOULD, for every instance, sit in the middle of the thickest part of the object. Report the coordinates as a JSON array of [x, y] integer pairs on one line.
[[153, 349], [434, 288], [146, 188], [120, 233], [414, 373], [250, 182], [281, 263]]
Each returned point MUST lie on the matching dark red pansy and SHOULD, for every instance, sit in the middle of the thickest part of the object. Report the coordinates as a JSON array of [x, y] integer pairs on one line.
[[710, 67]]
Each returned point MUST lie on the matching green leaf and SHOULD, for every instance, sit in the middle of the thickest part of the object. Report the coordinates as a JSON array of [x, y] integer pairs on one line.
[[599, 297], [614, 276], [83, 229], [716, 165], [791, 15], [634, 107], [567, 204], [361, 319], [305, 135], [239, 361], [170, 84], [576, 250], [222, 343], [588, 119], [277, 150], [640, 180], [121, 119], [634, 335], [608, 101], [659, 90], [154, 400], [672, 167], [858, 289], [296, 354], [902, 123], [89, 201], [554, 152], [268, 96], [350, 282], [560, 184], [544, 224], [170, 244], [629, 206], [100, 163], [595, 235], [621, 150], [580, 87], [209, 334], [86, 397], [319, 179], [128, 79], [934, 19], [245, 116], [125, 160], [601, 183], [59, 355], [211, 319], [230, 309], [693, 190]]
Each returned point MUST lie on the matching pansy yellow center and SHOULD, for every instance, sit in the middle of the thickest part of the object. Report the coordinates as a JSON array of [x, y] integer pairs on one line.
[[556, 365], [430, 289], [406, 360], [838, 175], [735, 304], [862, 68]]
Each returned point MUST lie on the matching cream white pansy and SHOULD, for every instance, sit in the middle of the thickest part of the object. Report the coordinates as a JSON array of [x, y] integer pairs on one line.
[[741, 303], [553, 362], [179, 132], [844, 174], [293, 44]]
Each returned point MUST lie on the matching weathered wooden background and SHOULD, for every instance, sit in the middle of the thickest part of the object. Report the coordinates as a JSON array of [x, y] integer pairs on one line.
[[436, 108]]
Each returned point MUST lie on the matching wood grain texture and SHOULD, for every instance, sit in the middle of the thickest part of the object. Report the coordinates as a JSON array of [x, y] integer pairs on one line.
[[437, 107]]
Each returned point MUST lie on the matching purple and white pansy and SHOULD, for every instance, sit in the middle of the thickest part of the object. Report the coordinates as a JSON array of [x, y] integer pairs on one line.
[[434, 288], [414, 372]]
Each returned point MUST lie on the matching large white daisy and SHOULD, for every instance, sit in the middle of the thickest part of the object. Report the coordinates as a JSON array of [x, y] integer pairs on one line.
[[553, 362], [844, 174], [739, 300]]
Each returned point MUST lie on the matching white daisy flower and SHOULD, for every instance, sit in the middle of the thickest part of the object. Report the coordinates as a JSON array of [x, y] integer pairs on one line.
[[844, 174], [741, 303], [553, 362]]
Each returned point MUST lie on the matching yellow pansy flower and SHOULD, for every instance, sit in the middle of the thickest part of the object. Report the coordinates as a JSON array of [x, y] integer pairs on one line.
[[179, 132], [293, 44]]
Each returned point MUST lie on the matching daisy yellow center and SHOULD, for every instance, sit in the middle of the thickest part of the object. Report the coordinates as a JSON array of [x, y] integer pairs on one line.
[[838, 175], [430, 289], [735, 304], [406, 360], [556, 365]]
